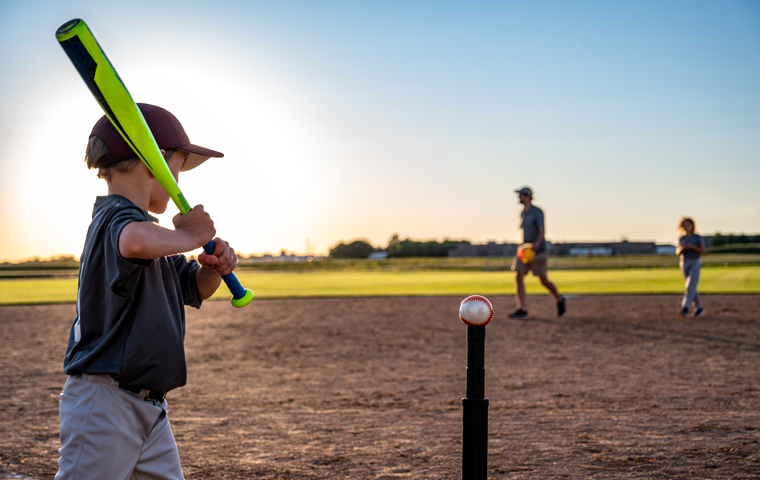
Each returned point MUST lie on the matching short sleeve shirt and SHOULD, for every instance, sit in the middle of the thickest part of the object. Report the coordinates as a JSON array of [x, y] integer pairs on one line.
[[530, 222], [695, 240], [130, 321]]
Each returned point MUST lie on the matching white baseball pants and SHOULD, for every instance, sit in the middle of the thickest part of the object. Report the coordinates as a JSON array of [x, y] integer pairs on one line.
[[109, 433]]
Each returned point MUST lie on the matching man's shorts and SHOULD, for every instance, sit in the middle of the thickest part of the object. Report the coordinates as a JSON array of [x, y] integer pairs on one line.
[[539, 266]]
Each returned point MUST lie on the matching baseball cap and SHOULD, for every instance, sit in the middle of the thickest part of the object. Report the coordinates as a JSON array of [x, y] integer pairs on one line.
[[525, 190], [167, 131]]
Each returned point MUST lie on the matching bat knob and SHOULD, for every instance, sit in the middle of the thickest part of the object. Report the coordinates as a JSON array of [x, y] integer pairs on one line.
[[244, 300]]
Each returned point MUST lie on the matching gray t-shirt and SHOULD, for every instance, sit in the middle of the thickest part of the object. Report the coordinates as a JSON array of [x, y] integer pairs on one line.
[[130, 321], [695, 240], [530, 222]]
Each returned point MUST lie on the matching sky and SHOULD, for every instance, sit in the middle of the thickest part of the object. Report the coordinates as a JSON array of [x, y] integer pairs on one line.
[[343, 120]]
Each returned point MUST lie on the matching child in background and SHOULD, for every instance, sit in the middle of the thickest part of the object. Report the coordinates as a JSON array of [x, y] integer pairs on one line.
[[690, 247]]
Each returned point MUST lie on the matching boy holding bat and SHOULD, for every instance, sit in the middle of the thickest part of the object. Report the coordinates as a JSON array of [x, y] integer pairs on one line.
[[126, 345]]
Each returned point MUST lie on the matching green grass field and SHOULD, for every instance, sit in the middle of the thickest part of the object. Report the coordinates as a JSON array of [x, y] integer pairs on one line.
[[70, 268], [383, 282], [499, 263]]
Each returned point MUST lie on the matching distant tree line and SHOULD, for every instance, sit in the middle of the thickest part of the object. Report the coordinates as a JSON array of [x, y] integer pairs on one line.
[[408, 247], [355, 249], [735, 243], [414, 248], [396, 248], [732, 239]]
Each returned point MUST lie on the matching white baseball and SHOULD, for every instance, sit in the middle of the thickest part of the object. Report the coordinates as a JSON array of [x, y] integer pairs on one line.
[[475, 310]]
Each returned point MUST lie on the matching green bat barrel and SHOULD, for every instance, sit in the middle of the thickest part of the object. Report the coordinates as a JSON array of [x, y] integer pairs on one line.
[[110, 92]]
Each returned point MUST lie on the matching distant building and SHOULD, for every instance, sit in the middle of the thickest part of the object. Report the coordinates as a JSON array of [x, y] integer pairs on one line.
[[378, 255], [279, 258], [606, 248], [665, 249], [581, 249], [490, 249], [588, 251]]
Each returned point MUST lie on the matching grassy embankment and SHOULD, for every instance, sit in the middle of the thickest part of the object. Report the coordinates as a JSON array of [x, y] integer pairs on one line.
[[425, 281], [69, 268]]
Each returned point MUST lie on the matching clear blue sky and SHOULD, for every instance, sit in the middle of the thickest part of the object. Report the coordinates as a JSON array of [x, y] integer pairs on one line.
[[362, 119]]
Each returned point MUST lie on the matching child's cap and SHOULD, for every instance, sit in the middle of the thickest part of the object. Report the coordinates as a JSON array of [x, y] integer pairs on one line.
[[167, 131]]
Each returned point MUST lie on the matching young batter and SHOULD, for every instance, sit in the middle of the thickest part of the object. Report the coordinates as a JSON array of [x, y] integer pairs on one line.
[[126, 345], [690, 247]]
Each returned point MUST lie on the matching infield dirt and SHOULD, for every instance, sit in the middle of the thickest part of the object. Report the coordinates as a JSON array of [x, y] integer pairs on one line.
[[371, 388]]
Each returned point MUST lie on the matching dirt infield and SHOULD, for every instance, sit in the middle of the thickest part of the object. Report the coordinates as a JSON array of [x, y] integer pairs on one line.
[[371, 388]]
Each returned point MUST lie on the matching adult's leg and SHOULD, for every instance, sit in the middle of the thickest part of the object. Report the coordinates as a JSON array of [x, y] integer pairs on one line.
[[520, 290], [540, 269], [550, 286]]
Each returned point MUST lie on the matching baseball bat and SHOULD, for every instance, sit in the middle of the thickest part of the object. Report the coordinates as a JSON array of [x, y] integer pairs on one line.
[[114, 98]]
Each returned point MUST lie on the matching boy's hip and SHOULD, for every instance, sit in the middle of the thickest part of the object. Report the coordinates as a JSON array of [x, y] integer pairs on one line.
[[108, 381], [104, 389], [105, 429]]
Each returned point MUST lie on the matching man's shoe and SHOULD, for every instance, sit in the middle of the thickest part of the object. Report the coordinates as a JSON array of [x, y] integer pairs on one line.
[[561, 307], [684, 313], [520, 314], [699, 312]]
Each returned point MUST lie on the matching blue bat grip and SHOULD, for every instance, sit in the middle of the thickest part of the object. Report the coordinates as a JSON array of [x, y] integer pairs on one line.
[[238, 292]]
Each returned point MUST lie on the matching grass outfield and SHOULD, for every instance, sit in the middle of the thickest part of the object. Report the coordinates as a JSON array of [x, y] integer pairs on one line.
[[70, 268], [371, 283]]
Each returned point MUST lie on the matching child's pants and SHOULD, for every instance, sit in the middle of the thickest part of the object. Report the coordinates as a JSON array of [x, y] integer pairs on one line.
[[690, 270], [113, 434]]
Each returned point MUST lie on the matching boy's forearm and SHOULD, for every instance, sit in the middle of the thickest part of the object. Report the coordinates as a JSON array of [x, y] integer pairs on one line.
[[207, 281], [147, 241]]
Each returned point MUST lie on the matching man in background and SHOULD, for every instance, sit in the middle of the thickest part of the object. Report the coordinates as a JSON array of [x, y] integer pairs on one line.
[[534, 232]]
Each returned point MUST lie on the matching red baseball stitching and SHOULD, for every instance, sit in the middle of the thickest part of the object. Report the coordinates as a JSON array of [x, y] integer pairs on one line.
[[478, 298]]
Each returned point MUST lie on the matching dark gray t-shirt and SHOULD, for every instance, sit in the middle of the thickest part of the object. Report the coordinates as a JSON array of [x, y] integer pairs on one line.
[[530, 223], [130, 320], [695, 240]]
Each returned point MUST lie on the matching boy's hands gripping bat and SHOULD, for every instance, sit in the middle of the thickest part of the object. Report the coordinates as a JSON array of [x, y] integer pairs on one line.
[[104, 83]]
